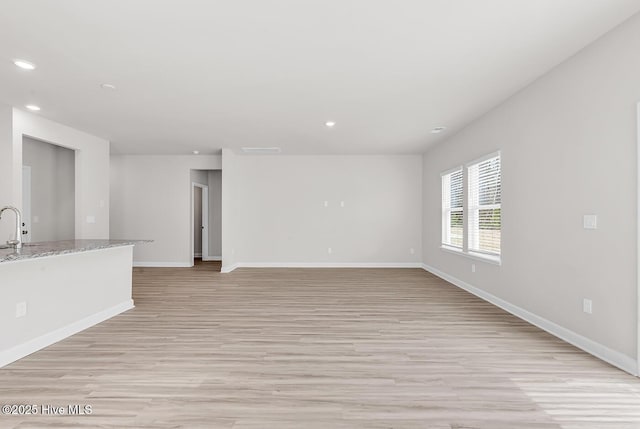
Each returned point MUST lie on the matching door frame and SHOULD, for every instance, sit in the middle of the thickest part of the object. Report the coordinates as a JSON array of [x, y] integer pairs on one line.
[[205, 220], [26, 203], [638, 242]]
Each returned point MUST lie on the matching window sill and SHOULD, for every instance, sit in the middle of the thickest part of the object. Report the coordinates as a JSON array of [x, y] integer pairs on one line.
[[490, 259]]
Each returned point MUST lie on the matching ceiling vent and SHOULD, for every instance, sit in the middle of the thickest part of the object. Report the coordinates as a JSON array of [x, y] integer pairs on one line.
[[261, 150]]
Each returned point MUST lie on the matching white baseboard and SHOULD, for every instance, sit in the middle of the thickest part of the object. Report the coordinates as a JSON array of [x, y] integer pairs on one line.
[[212, 258], [321, 265], [162, 264], [330, 264], [31, 346], [598, 350], [228, 268]]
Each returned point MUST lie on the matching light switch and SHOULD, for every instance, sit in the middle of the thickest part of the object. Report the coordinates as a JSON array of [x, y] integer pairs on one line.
[[21, 309], [590, 221]]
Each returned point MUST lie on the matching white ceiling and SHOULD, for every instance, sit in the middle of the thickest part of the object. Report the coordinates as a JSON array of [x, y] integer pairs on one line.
[[202, 74]]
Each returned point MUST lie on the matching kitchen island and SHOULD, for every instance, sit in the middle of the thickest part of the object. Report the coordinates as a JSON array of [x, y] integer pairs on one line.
[[52, 290]]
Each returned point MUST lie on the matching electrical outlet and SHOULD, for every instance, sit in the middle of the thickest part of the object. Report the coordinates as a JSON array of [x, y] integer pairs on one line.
[[473, 268], [412, 251], [341, 203], [587, 306], [326, 203], [329, 250], [21, 309]]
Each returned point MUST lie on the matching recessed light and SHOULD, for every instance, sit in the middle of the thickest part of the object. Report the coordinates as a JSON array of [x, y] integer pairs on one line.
[[437, 130], [108, 86], [196, 152], [330, 124], [32, 107], [24, 64]]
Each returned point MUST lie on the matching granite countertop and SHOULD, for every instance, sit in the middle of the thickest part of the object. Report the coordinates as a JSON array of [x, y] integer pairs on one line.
[[53, 248]]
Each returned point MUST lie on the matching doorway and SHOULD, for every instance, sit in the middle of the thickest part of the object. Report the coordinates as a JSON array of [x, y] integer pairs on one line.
[[26, 204], [48, 191], [638, 243], [200, 220], [206, 218]]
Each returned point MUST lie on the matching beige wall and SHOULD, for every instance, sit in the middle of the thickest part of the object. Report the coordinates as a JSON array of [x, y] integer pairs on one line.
[[215, 213], [91, 169], [276, 212], [8, 195], [151, 199], [230, 188], [568, 146]]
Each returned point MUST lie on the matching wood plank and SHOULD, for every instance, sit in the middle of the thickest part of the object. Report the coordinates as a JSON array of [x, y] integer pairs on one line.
[[317, 348]]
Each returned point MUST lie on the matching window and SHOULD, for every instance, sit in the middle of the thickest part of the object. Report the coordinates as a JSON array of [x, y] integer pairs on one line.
[[471, 209], [484, 209], [452, 209]]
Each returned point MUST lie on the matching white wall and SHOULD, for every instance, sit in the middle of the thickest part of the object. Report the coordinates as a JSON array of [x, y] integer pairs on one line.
[[568, 146], [215, 213], [277, 213], [231, 182], [151, 199], [8, 195], [91, 172], [52, 190]]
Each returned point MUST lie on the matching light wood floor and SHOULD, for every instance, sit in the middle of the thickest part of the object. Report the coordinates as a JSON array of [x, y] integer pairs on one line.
[[325, 348]]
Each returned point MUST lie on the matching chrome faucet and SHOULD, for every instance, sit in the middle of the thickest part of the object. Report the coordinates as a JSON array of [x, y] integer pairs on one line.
[[17, 243]]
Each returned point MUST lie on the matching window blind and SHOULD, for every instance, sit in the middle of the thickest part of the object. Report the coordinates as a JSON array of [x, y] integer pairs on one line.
[[452, 208], [485, 214]]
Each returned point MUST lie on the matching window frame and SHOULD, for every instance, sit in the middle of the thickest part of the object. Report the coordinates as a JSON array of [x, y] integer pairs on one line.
[[469, 208], [489, 257], [445, 213]]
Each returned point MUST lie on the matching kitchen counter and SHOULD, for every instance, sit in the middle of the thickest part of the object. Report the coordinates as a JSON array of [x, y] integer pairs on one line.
[[51, 290], [63, 247]]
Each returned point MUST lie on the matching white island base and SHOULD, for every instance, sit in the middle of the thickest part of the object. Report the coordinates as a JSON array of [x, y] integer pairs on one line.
[[64, 292]]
